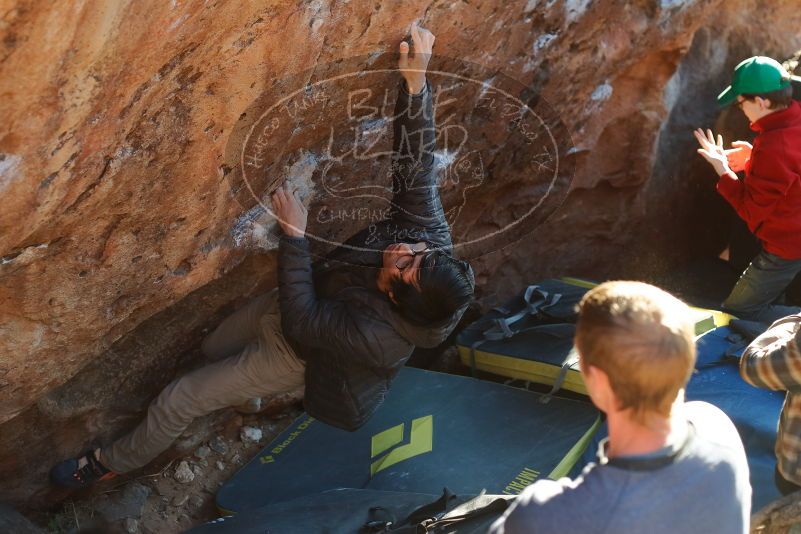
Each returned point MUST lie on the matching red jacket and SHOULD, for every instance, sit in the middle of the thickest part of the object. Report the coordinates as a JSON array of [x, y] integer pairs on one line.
[[769, 199]]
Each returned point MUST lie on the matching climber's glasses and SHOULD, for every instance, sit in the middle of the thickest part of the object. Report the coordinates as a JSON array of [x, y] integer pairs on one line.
[[407, 259], [743, 101]]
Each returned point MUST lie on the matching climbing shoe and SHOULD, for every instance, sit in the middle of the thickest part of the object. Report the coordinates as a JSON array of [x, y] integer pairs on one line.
[[68, 474]]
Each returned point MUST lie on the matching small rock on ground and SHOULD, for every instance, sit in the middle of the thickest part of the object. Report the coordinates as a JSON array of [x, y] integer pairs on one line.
[[218, 445], [202, 451], [131, 525], [250, 434], [183, 473], [126, 504]]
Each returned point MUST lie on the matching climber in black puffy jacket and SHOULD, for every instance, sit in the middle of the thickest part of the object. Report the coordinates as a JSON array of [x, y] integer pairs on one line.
[[342, 327], [355, 316]]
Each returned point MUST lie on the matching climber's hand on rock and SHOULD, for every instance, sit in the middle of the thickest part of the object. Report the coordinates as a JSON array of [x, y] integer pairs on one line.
[[290, 211], [738, 155], [413, 66], [712, 150]]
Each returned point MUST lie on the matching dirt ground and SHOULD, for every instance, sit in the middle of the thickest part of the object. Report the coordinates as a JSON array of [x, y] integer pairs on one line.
[[160, 499], [176, 492]]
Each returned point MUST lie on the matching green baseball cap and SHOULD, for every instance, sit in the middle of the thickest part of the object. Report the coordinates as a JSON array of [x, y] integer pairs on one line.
[[756, 75]]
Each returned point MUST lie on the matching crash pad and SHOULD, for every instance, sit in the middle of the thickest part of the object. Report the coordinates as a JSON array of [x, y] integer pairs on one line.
[[351, 511], [530, 337], [433, 430]]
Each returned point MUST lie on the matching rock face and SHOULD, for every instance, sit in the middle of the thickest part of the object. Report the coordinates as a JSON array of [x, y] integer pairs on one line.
[[12, 521], [131, 221]]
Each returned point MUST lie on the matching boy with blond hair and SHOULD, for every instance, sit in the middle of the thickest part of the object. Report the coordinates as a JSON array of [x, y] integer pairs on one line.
[[667, 465]]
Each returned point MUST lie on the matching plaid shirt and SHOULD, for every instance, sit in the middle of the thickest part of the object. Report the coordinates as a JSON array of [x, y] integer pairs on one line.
[[773, 361]]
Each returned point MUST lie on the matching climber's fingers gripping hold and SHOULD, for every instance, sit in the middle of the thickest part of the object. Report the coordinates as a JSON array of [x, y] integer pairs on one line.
[[413, 64], [290, 211]]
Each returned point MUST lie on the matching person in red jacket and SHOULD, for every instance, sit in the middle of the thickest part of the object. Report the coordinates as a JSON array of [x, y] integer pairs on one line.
[[769, 197]]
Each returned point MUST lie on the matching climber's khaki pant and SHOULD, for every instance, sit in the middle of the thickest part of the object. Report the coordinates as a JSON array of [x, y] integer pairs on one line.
[[258, 362]]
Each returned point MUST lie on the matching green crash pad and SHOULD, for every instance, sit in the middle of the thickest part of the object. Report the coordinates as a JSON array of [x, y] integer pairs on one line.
[[537, 346], [433, 431]]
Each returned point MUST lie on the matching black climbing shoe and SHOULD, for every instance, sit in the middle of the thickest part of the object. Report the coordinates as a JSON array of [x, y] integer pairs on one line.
[[67, 474]]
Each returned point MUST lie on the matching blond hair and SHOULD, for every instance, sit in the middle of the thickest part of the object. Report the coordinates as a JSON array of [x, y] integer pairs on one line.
[[642, 338]]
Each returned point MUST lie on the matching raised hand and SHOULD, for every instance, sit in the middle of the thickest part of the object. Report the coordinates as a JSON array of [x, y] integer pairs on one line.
[[413, 66], [712, 150], [739, 155], [290, 211]]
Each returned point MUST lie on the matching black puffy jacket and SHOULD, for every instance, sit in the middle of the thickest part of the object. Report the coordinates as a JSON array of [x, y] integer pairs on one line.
[[348, 333]]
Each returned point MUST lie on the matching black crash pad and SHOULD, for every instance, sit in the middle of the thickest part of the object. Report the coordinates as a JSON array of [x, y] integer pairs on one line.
[[537, 345], [433, 431], [349, 511]]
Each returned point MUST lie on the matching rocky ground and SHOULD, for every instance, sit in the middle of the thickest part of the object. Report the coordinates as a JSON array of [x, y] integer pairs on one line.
[[176, 492]]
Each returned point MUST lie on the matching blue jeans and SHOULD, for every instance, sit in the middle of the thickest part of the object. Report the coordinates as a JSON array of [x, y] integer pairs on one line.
[[762, 282]]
